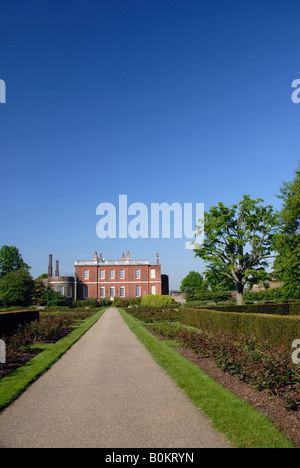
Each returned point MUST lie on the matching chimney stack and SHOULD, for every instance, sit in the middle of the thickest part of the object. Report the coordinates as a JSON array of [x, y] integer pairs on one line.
[[95, 257], [127, 256], [57, 268], [157, 259], [123, 258], [50, 267]]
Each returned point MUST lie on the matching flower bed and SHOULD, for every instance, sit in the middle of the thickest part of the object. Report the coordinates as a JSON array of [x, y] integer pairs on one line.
[[253, 361], [50, 328]]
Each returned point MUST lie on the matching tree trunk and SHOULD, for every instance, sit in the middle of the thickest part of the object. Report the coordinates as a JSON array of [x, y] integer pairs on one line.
[[240, 293]]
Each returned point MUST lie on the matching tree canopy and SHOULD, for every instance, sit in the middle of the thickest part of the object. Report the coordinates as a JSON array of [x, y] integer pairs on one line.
[[287, 263], [16, 288], [193, 281], [238, 242], [11, 260]]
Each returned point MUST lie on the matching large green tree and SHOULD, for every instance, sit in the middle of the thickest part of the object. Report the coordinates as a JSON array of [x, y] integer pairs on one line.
[[193, 281], [287, 263], [16, 288], [11, 260], [238, 242]]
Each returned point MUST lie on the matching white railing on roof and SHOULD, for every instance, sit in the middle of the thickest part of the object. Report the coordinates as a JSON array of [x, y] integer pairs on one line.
[[110, 262]]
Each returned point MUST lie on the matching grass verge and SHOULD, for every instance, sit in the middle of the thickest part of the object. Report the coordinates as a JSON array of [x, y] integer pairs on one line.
[[16, 382], [242, 425]]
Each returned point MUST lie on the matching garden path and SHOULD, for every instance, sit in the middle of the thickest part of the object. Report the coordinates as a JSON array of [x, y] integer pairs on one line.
[[106, 391]]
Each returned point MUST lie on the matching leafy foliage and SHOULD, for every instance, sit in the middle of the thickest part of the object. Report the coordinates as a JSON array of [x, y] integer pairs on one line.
[[38, 296], [11, 260], [156, 300], [192, 282], [16, 288], [154, 314], [54, 298], [287, 264], [253, 361], [49, 328], [275, 294], [238, 242], [215, 296]]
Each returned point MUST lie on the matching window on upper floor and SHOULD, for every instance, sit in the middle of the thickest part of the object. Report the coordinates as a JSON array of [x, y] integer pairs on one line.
[[102, 274], [86, 274]]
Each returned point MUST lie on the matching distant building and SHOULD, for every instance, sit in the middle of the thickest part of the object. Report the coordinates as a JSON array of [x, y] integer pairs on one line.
[[178, 296], [125, 278], [261, 287], [106, 279], [65, 285]]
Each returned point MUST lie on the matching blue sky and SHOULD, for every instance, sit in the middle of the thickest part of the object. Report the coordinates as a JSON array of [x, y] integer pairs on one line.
[[161, 100]]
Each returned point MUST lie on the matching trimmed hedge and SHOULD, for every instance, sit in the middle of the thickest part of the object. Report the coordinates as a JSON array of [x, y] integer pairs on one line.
[[276, 294], [215, 296], [9, 321], [291, 308], [157, 300], [154, 314], [280, 331]]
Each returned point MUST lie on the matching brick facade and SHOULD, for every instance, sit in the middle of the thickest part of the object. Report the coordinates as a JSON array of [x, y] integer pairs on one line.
[[125, 278]]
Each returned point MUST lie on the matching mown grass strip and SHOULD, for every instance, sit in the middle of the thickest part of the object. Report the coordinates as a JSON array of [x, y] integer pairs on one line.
[[243, 426], [15, 383]]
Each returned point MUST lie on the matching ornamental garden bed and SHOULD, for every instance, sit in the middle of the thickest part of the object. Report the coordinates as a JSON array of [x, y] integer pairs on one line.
[[28, 339]]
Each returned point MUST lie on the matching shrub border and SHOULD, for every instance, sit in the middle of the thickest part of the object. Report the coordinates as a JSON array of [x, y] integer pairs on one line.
[[278, 330]]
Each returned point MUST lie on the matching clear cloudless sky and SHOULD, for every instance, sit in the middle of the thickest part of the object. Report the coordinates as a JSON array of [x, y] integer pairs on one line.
[[161, 100]]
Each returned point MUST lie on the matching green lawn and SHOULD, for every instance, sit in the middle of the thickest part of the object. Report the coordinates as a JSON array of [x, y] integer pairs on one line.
[[15, 383], [243, 426]]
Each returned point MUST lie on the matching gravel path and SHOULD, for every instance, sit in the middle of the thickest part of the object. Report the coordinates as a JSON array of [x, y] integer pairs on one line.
[[106, 391]]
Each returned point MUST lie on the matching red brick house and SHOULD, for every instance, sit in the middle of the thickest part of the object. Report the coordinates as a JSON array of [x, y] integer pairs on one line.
[[125, 278]]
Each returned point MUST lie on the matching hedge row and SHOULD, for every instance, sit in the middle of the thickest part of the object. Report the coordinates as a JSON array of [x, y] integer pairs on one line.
[[157, 300], [154, 314], [215, 296], [9, 321], [276, 294], [279, 331], [290, 308]]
